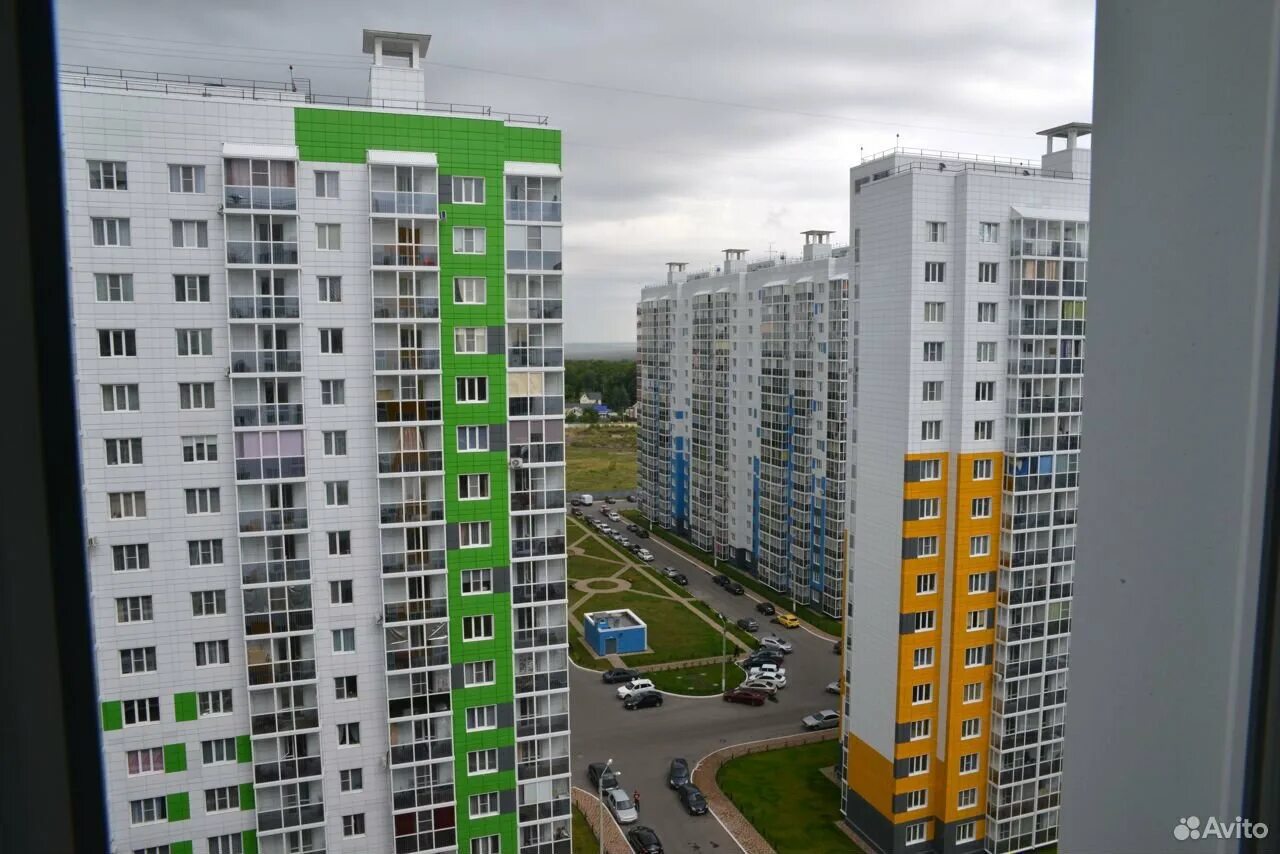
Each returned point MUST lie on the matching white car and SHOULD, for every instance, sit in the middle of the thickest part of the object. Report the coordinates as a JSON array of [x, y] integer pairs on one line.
[[771, 670], [645, 555], [615, 516], [635, 686], [621, 805], [825, 719], [775, 642], [833, 687], [768, 684]]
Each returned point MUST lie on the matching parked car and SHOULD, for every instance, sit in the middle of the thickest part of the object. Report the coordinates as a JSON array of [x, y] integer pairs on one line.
[[692, 800], [635, 686], [764, 683], [615, 516], [835, 647], [669, 571], [577, 502], [681, 579], [586, 500], [642, 533], [632, 526], [788, 621], [644, 841], [721, 580], [621, 805], [766, 670], [748, 625], [747, 696], [765, 608], [596, 770], [645, 555], [833, 687], [642, 700], [631, 497], [577, 512], [735, 588], [825, 719], [762, 656], [775, 642], [611, 501], [619, 674], [678, 773]]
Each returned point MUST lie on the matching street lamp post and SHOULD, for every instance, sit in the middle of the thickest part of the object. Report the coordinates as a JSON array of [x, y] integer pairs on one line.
[[724, 628], [600, 797]]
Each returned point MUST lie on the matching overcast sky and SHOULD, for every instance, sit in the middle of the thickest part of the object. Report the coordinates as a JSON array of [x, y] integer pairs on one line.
[[689, 126]]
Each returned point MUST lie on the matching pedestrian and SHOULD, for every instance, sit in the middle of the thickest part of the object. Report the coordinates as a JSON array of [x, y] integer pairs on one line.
[[635, 798]]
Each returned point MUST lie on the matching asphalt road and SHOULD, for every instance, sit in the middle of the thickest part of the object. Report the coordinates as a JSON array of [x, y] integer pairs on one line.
[[642, 743]]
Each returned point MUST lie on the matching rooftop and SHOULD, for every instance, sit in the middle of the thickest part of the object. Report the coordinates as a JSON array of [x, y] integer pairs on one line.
[[622, 619]]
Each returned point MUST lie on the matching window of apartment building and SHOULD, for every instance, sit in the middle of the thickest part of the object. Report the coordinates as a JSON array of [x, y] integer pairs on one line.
[[926, 546], [933, 351], [972, 692], [980, 508], [930, 470], [988, 232], [336, 493], [221, 799], [971, 728], [470, 340], [333, 392], [986, 351], [108, 175], [922, 693], [917, 730], [469, 290], [186, 179], [204, 552], [926, 583], [127, 505], [967, 798], [110, 231], [348, 734], [331, 341], [482, 805], [208, 603], [935, 272], [195, 342], [335, 443], [141, 659], [930, 508], [934, 312], [346, 688], [482, 761], [218, 751], [976, 620], [124, 452], [468, 240], [966, 831], [213, 703], [473, 438], [975, 656], [341, 592], [922, 658], [199, 449], [988, 271], [486, 845], [212, 653], [148, 760], [189, 287], [328, 236], [980, 582], [468, 191], [968, 763], [339, 542], [984, 391], [481, 718], [935, 232], [326, 184], [472, 535], [917, 765], [980, 546], [924, 621], [330, 288], [986, 312], [148, 810], [918, 799], [472, 389], [113, 287], [144, 710], [477, 627], [203, 500], [353, 825], [190, 233], [113, 343], [477, 581], [931, 430], [227, 843], [344, 640], [351, 780], [130, 557], [931, 391], [984, 430], [195, 396], [982, 469], [477, 673], [473, 487]]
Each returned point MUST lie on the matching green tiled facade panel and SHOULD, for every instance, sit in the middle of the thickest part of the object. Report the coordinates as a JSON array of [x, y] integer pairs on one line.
[[184, 847], [184, 706], [246, 796], [178, 806], [244, 749], [249, 841], [175, 758], [112, 715]]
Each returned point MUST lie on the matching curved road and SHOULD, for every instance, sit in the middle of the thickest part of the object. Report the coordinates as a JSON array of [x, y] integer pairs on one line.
[[642, 743]]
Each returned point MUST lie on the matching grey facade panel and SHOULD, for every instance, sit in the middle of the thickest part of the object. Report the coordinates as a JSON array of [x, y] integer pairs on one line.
[[502, 579], [507, 758], [497, 340], [451, 538], [497, 437]]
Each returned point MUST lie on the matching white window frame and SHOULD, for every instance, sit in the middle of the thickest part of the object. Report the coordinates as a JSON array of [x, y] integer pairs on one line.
[[919, 730], [971, 728], [484, 761], [349, 734], [984, 391], [465, 190], [190, 233], [195, 396], [331, 341], [110, 231], [935, 272], [195, 342], [988, 273], [477, 673], [475, 434], [328, 184], [328, 237], [925, 621], [351, 780], [975, 656], [212, 653], [189, 285], [927, 584], [483, 805], [986, 352], [976, 621], [930, 508], [218, 751], [917, 800], [337, 493], [200, 449], [930, 470], [931, 430], [126, 451], [465, 289], [130, 557], [186, 178], [476, 581], [469, 240], [935, 312], [208, 603], [331, 440], [988, 312], [339, 543], [117, 343], [922, 694], [983, 469], [931, 391], [148, 811], [928, 546], [481, 718], [221, 799], [113, 287], [113, 172], [473, 487], [477, 627], [470, 340], [333, 392], [933, 352], [203, 500], [123, 506], [980, 582], [344, 640], [972, 692], [980, 545], [969, 763], [988, 232], [143, 710], [935, 231], [917, 765], [214, 704], [353, 826], [980, 508], [330, 288], [469, 390], [922, 658], [475, 535]]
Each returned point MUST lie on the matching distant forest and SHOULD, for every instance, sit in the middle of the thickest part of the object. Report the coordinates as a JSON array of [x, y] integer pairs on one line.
[[616, 380]]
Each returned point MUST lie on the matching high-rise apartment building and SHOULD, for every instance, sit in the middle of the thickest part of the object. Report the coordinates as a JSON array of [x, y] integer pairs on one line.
[[320, 379], [969, 286], [743, 382]]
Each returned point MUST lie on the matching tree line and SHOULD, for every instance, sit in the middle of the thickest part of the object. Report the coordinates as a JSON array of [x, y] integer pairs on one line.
[[615, 380]]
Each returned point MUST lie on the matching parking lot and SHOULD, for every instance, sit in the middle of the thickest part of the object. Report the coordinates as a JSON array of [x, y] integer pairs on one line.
[[643, 742]]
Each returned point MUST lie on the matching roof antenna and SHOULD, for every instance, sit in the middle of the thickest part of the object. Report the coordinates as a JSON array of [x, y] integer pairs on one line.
[[897, 141], [292, 85]]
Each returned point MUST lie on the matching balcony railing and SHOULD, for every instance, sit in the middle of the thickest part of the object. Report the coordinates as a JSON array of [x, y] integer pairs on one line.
[[519, 406], [265, 308], [283, 671], [414, 707], [268, 415], [535, 309], [266, 361], [533, 259], [523, 594], [262, 252], [539, 682], [406, 359], [271, 469], [396, 512], [421, 751], [552, 499], [537, 546], [239, 198], [401, 202], [290, 817], [403, 612], [406, 308], [553, 453], [415, 659], [535, 357], [262, 521], [275, 571], [542, 768], [543, 725], [289, 720], [396, 462], [549, 636], [287, 769], [424, 797], [400, 411], [280, 622], [404, 255], [527, 211], [413, 562]]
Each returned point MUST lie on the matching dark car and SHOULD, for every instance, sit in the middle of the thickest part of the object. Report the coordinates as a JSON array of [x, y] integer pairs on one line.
[[722, 580], [576, 502], [735, 588], [678, 774], [762, 656], [594, 772], [644, 841], [577, 512], [835, 647], [632, 498], [633, 527], [766, 608], [642, 533], [748, 625], [618, 675], [746, 696], [642, 700], [681, 579], [692, 800], [611, 501]]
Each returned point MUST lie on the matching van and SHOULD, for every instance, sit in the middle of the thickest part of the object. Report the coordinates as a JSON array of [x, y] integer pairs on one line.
[[586, 500]]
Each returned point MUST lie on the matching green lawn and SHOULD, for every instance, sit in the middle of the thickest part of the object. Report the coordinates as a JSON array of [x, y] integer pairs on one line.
[[596, 547], [584, 840], [601, 458], [758, 783], [575, 595], [591, 567], [675, 633], [643, 582], [581, 655], [814, 618], [741, 634], [702, 680]]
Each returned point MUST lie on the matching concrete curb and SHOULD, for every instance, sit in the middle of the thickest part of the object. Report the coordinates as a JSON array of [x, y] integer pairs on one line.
[[615, 842]]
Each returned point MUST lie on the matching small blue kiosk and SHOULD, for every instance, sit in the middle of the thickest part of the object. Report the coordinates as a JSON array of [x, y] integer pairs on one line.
[[615, 632]]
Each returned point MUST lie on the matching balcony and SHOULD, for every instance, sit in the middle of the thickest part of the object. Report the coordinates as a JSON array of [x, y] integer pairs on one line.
[[406, 308], [421, 751], [403, 612], [413, 562], [535, 357], [280, 622], [282, 672], [264, 521], [522, 210], [549, 500], [399, 462], [416, 707], [537, 546], [265, 252], [266, 361], [550, 636], [524, 406], [262, 308], [533, 259], [404, 255], [289, 720], [241, 198], [286, 769], [524, 594], [406, 359], [540, 682], [275, 571], [546, 725], [416, 659], [280, 468], [533, 454], [404, 203], [542, 768], [535, 309], [405, 799], [397, 512], [268, 415], [401, 411], [298, 816]]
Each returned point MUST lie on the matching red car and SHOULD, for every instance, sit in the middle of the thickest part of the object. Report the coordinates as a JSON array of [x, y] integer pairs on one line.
[[745, 695]]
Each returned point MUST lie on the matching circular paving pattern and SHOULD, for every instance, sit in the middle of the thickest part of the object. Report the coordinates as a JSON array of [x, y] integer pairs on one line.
[[602, 585]]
